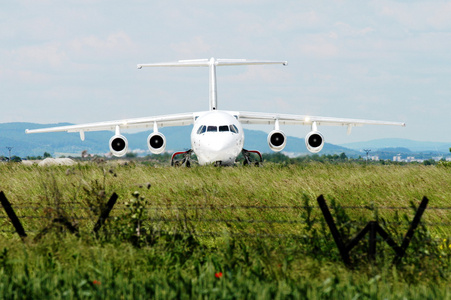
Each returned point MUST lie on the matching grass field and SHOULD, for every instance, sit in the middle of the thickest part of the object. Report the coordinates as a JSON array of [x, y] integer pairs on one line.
[[207, 232]]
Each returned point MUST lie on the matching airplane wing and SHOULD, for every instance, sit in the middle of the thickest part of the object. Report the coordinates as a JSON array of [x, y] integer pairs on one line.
[[146, 122], [288, 119]]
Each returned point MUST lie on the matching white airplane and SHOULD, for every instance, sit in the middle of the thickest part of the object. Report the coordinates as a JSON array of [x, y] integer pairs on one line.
[[217, 136]]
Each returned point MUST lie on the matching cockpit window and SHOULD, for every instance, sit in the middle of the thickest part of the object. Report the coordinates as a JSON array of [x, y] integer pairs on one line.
[[233, 128], [212, 129], [223, 128], [201, 129]]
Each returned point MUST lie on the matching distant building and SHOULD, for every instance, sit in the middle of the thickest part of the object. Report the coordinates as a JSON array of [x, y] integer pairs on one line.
[[397, 158], [409, 159]]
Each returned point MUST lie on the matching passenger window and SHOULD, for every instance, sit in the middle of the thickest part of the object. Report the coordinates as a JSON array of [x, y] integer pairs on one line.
[[223, 128], [201, 129], [212, 129], [233, 128]]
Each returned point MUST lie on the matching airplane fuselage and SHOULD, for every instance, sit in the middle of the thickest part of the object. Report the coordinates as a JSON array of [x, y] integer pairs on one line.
[[217, 137]]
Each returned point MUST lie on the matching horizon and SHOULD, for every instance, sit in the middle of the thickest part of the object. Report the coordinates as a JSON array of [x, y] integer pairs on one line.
[[178, 139]]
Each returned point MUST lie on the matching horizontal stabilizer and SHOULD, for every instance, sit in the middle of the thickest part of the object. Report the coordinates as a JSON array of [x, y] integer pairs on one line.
[[213, 61]]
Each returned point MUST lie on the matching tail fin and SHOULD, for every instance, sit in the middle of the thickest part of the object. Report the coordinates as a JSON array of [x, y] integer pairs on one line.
[[211, 64]]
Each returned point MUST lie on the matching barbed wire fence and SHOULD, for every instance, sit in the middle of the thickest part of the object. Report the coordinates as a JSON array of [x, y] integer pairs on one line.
[[189, 214]]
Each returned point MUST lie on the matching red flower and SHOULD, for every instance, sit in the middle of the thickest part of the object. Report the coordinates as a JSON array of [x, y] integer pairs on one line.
[[96, 282], [218, 274]]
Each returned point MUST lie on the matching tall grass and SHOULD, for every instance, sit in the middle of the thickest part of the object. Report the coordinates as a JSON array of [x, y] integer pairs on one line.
[[272, 185], [351, 184], [190, 255]]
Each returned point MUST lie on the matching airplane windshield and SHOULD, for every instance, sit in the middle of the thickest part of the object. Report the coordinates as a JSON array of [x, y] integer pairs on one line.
[[212, 129], [201, 129], [233, 128], [222, 128]]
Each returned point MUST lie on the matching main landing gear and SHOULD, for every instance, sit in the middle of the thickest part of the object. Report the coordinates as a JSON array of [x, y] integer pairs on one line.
[[186, 158], [249, 160]]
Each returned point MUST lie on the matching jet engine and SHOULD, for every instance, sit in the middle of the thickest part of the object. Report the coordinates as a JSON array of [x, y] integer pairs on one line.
[[277, 140], [118, 145], [156, 142], [314, 141]]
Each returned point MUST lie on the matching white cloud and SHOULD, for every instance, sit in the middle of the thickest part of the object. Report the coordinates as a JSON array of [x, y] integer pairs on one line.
[[262, 74], [44, 56], [192, 49], [41, 29], [346, 30], [319, 46], [430, 15], [109, 46], [19, 79], [289, 21]]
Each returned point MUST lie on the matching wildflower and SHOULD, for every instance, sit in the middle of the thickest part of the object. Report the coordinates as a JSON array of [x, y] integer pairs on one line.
[[218, 274], [96, 282]]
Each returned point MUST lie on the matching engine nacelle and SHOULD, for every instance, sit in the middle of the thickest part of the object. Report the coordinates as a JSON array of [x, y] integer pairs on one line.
[[314, 141], [277, 140], [118, 145], [156, 142]]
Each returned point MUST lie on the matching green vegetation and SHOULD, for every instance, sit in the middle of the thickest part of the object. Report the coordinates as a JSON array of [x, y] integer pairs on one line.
[[207, 232], [340, 158]]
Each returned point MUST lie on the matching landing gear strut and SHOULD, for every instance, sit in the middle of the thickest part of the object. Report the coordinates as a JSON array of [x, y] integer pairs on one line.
[[185, 160], [249, 160]]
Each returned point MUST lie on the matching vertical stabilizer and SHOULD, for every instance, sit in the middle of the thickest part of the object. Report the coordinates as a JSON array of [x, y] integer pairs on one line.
[[213, 95]]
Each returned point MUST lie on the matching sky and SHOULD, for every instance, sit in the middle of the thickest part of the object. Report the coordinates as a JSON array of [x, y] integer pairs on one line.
[[75, 61]]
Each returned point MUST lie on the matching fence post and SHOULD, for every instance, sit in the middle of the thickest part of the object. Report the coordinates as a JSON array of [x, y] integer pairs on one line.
[[12, 216], [409, 234], [105, 213], [353, 242], [333, 229], [372, 242], [388, 239]]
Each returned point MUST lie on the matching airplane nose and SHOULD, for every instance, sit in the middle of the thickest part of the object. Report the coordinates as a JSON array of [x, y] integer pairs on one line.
[[220, 143], [222, 147]]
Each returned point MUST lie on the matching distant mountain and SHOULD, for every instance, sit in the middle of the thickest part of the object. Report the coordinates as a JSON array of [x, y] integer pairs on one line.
[[177, 138], [395, 150], [13, 135], [413, 146]]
